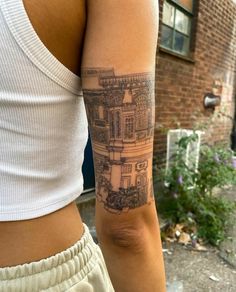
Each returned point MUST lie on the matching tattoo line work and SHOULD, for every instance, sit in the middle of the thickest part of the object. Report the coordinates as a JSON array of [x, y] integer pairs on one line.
[[121, 116]]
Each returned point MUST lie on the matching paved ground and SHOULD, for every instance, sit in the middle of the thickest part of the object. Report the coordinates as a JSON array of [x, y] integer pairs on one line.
[[191, 271], [187, 270]]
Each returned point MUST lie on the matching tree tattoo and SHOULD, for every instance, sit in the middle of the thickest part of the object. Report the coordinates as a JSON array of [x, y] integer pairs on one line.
[[121, 113]]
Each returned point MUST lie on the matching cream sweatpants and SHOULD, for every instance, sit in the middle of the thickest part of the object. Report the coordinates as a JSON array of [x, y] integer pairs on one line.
[[81, 268]]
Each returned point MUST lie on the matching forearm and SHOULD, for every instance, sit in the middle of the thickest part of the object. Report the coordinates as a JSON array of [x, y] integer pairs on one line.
[[133, 255]]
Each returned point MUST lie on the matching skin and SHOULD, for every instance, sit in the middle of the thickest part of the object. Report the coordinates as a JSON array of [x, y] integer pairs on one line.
[[118, 70], [120, 37]]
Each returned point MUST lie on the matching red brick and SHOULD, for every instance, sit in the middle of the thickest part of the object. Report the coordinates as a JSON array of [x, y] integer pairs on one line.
[[181, 85]]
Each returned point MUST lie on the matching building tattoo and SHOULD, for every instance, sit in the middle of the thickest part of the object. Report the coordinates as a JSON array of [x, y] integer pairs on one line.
[[121, 117]]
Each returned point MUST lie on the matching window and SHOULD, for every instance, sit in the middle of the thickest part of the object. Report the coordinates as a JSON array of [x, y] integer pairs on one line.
[[117, 125], [127, 168], [115, 129], [129, 128], [141, 112], [176, 25], [112, 128]]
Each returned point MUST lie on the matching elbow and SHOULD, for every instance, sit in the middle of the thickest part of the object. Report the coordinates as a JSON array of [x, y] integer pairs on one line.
[[125, 237]]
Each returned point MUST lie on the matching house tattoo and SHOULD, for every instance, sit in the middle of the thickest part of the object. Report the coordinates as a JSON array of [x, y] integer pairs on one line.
[[121, 114]]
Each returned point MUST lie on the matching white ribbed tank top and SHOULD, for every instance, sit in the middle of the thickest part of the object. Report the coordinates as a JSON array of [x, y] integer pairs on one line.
[[43, 124]]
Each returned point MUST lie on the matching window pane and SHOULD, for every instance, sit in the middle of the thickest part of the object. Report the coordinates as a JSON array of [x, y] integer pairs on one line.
[[168, 14], [182, 22], [166, 37], [181, 43], [129, 128], [187, 4]]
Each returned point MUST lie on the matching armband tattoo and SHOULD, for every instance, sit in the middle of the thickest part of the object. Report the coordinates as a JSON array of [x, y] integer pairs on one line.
[[121, 113]]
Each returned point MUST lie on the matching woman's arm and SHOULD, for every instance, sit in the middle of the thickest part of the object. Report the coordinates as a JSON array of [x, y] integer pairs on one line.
[[118, 83]]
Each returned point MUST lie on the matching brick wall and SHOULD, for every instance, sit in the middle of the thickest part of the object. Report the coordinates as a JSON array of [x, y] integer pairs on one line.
[[181, 84]]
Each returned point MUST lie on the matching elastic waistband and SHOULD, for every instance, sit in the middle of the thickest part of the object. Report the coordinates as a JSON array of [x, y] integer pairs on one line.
[[78, 260]]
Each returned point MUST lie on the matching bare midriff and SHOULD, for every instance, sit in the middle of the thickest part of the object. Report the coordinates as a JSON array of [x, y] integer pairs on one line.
[[35, 239], [60, 25]]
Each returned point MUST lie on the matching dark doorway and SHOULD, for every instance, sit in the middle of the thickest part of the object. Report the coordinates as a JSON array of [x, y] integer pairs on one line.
[[88, 170]]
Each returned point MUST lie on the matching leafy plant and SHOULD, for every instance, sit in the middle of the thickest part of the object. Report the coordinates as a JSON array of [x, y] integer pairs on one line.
[[188, 196]]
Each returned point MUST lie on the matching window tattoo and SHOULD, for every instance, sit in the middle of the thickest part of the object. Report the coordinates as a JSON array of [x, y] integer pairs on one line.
[[121, 114]]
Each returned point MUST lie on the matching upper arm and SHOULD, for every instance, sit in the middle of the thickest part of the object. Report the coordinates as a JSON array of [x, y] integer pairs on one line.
[[121, 34], [118, 82]]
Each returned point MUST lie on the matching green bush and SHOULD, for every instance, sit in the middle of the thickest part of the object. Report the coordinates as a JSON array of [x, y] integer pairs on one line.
[[188, 196]]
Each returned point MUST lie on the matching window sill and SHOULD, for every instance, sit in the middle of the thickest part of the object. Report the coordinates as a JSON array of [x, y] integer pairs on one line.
[[185, 58]]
